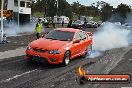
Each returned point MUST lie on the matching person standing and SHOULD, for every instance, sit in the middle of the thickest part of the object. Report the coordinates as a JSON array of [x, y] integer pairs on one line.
[[63, 23], [38, 28], [84, 26], [69, 24], [53, 24]]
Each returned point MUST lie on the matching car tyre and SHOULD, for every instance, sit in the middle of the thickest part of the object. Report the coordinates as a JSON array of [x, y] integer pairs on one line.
[[66, 58], [88, 51]]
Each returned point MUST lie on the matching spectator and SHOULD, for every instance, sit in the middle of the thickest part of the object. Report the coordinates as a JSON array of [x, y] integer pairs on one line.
[[38, 28], [84, 26], [53, 24], [69, 24], [62, 23]]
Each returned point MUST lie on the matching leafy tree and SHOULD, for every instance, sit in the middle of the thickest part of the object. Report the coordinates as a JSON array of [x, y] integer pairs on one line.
[[63, 5], [68, 12], [106, 12], [51, 8], [122, 9], [121, 12], [75, 7]]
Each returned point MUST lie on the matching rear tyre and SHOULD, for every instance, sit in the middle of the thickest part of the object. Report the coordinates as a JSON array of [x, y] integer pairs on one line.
[[66, 58]]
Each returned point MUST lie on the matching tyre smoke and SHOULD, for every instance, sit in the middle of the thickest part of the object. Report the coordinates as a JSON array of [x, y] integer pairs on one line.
[[14, 30], [110, 36]]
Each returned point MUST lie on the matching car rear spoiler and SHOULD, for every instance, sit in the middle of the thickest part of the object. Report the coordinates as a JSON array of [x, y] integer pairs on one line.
[[90, 33]]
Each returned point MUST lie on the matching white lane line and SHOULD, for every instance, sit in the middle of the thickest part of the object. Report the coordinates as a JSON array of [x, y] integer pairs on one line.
[[16, 76]]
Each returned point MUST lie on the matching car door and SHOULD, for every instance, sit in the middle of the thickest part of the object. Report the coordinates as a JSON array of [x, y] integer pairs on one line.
[[76, 46], [84, 41]]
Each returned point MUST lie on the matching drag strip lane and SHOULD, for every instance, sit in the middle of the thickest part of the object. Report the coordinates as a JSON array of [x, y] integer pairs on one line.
[[16, 76], [15, 72], [103, 66], [113, 61], [47, 76]]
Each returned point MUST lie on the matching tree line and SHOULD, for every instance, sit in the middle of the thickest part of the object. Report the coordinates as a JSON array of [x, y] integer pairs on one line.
[[99, 9]]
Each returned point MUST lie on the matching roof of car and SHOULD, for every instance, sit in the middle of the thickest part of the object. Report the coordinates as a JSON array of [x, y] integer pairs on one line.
[[68, 29]]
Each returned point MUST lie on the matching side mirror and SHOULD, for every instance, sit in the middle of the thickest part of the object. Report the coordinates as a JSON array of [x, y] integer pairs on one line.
[[77, 41]]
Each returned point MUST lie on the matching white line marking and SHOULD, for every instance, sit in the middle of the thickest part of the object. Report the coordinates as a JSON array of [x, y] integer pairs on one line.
[[16, 76]]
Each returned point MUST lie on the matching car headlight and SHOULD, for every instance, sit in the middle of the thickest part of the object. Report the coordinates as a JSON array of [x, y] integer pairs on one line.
[[29, 48], [55, 52]]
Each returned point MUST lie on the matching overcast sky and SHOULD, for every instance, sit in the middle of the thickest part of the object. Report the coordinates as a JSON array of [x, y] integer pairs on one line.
[[114, 3]]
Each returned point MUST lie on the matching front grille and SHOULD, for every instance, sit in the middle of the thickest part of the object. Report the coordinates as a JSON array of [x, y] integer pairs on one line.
[[39, 59], [39, 50]]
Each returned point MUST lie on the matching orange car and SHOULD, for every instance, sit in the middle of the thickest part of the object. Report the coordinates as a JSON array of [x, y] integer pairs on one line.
[[60, 45]]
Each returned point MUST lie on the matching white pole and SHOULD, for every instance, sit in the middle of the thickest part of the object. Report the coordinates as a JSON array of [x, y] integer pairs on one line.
[[57, 4], [2, 4], [56, 12], [18, 12], [57, 7]]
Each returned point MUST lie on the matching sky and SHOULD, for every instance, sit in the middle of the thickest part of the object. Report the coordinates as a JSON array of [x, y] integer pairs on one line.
[[113, 3]]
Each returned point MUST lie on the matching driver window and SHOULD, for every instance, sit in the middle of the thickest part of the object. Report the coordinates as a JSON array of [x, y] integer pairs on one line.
[[77, 36], [83, 35]]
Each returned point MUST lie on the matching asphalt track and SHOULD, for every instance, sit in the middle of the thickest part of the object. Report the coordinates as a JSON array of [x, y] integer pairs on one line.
[[16, 73]]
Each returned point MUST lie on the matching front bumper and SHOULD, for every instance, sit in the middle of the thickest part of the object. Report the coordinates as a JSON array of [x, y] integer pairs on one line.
[[44, 57]]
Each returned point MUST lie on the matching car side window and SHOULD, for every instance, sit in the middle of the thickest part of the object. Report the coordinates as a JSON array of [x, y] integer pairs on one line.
[[77, 36], [83, 35]]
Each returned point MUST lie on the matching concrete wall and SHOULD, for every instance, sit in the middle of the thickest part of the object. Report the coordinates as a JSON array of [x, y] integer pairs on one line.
[[21, 14], [10, 5], [21, 10]]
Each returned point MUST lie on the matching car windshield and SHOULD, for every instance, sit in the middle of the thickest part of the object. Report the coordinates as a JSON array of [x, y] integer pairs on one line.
[[127, 24], [77, 22], [60, 35]]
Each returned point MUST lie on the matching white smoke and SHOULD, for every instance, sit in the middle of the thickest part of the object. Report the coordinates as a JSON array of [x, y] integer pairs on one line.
[[14, 30], [95, 54], [128, 18], [110, 36]]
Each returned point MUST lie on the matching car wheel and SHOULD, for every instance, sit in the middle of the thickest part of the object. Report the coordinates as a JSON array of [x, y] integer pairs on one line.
[[88, 51], [66, 58]]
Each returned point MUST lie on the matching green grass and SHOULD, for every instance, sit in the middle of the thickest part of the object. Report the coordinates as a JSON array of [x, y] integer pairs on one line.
[[97, 18], [38, 14]]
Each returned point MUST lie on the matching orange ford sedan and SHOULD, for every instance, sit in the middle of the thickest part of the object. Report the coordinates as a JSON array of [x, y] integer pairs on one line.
[[59, 46]]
